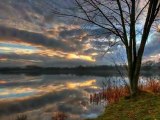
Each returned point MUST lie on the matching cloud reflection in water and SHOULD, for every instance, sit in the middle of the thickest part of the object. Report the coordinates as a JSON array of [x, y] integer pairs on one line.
[[43, 95]]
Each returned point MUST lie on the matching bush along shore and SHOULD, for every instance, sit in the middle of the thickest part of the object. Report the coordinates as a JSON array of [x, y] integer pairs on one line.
[[145, 106]]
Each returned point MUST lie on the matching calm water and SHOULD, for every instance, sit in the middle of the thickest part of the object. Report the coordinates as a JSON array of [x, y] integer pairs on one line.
[[40, 97]]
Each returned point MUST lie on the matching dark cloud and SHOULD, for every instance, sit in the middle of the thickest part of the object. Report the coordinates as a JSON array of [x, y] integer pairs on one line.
[[71, 33], [153, 46], [33, 38], [15, 56]]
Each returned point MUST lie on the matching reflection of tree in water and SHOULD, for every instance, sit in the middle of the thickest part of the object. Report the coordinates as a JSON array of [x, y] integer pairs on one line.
[[59, 116], [21, 117]]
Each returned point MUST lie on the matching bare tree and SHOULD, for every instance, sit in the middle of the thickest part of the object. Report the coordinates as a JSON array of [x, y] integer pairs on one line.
[[129, 20]]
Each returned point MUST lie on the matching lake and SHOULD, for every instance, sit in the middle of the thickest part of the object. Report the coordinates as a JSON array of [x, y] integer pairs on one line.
[[40, 97]]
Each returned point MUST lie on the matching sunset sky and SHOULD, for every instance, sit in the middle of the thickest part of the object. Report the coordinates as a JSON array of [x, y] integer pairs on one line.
[[30, 34]]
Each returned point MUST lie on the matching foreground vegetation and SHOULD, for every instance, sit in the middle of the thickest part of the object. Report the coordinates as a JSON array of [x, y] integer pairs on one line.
[[144, 107]]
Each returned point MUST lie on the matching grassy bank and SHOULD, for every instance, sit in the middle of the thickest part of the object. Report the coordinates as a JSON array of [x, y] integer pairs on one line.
[[144, 107]]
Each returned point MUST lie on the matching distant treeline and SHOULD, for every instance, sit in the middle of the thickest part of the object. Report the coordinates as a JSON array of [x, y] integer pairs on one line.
[[80, 70]]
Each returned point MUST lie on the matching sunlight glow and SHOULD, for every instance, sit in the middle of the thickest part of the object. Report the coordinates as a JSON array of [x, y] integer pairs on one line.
[[81, 57], [82, 84]]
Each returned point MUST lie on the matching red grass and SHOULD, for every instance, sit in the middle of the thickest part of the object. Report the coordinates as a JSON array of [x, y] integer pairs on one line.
[[151, 86], [113, 94]]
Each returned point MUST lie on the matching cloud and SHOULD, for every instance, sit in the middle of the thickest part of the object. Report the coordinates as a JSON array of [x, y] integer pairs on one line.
[[71, 47], [41, 59], [153, 46], [53, 40], [33, 38], [37, 26]]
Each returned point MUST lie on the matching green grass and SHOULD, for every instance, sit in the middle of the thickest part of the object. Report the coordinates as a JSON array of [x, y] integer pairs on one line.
[[144, 107]]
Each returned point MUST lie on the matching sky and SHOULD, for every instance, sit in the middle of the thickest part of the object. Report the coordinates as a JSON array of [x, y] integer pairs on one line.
[[30, 34]]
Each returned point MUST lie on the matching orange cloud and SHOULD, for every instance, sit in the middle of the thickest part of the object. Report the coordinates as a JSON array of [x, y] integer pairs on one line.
[[80, 57], [43, 51], [2, 82], [53, 53]]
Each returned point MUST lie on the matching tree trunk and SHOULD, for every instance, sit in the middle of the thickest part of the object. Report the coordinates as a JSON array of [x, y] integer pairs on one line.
[[134, 86], [134, 67]]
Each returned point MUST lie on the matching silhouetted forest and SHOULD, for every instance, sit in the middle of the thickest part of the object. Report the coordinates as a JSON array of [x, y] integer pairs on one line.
[[80, 70]]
